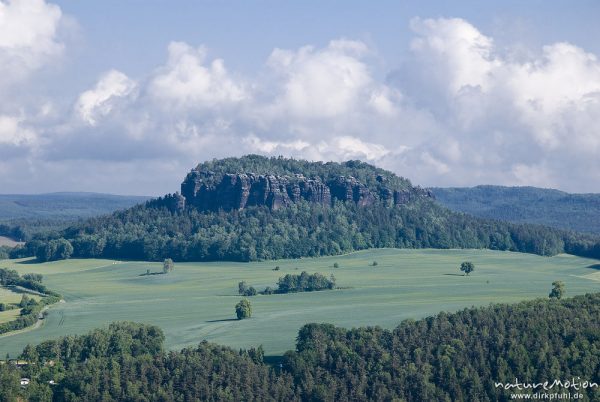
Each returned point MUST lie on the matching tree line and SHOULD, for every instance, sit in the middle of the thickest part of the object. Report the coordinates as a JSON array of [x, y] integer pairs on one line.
[[291, 283], [300, 230], [155, 231], [458, 357], [30, 308]]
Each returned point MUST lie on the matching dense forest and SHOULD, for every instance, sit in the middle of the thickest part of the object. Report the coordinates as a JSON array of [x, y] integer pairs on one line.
[[578, 212], [381, 210], [448, 357]]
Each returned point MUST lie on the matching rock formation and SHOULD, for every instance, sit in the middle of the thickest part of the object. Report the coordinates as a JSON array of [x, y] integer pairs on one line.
[[207, 191]]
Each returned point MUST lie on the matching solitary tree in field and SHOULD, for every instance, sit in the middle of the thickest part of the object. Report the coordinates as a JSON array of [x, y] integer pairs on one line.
[[467, 267], [336, 265], [168, 265], [558, 290], [243, 309], [374, 264]]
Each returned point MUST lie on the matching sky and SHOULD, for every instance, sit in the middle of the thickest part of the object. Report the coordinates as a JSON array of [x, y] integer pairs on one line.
[[126, 97]]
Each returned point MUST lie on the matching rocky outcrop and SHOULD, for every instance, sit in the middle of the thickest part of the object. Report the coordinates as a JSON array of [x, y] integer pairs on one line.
[[350, 189], [207, 191]]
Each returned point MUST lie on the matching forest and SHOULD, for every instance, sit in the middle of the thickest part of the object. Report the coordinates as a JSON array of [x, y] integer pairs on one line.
[[447, 357], [541, 206], [155, 230]]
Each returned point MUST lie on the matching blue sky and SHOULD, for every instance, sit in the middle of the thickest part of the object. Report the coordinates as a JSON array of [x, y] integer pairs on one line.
[[127, 96]]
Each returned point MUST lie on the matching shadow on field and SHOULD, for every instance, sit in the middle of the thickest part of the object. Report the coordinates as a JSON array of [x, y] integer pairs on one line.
[[594, 266], [455, 274], [224, 320], [32, 261]]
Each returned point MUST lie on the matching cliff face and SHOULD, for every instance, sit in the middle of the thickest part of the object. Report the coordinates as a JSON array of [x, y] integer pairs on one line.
[[207, 191]]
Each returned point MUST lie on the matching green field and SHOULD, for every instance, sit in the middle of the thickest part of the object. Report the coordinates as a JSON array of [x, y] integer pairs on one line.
[[9, 297], [197, 300]]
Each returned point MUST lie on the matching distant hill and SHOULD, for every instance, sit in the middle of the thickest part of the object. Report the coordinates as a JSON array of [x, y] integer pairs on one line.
[[23, 216], [579, 212], [257, 208], [63, 205]]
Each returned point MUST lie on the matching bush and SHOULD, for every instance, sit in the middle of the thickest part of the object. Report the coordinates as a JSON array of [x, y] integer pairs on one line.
[[243, 309], [304, 283], [336, 265], [242, 288]]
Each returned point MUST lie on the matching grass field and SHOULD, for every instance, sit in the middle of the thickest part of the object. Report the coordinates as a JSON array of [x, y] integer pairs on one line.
[[5, 241], [197, 300], [9, 315]]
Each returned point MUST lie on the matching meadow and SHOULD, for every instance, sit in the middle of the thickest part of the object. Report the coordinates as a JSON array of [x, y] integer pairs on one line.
[[196, 301], [9, 296], [5, 241]]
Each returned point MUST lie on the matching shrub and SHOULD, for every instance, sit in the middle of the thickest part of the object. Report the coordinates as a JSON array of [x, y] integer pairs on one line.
[[243, 309]]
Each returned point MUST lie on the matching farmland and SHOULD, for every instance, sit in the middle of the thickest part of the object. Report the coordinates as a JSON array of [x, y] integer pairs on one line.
[[8, 296], [5, 241], [196, 301]]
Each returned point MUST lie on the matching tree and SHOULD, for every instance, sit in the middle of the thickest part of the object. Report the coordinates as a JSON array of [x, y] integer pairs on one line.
[[168, 265], [336, 265], [374, 263], [558, 290], [250, 291], [467, 267], [33, 277], [242, 288], [24, 301], [243, 309]]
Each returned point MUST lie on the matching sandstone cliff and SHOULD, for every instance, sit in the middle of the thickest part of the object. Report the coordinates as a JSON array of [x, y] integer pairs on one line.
[[208, 191]]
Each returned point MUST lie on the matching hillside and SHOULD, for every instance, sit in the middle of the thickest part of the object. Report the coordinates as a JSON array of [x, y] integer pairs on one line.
[[62, 205], [24, 216], [257, 208], [554, 208]]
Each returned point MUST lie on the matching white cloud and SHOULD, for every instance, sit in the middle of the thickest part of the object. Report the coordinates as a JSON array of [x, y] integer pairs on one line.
[[95, 103], [555, 92], [465, 54], [28, 37], [273, 147], [13, 132], [320, 83], [186, 82], [532, 175], [526, 119], [459, 111], [336, 148], [346, 147]]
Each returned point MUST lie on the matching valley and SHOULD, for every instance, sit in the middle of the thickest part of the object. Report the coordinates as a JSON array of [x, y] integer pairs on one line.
[[196, 301]]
